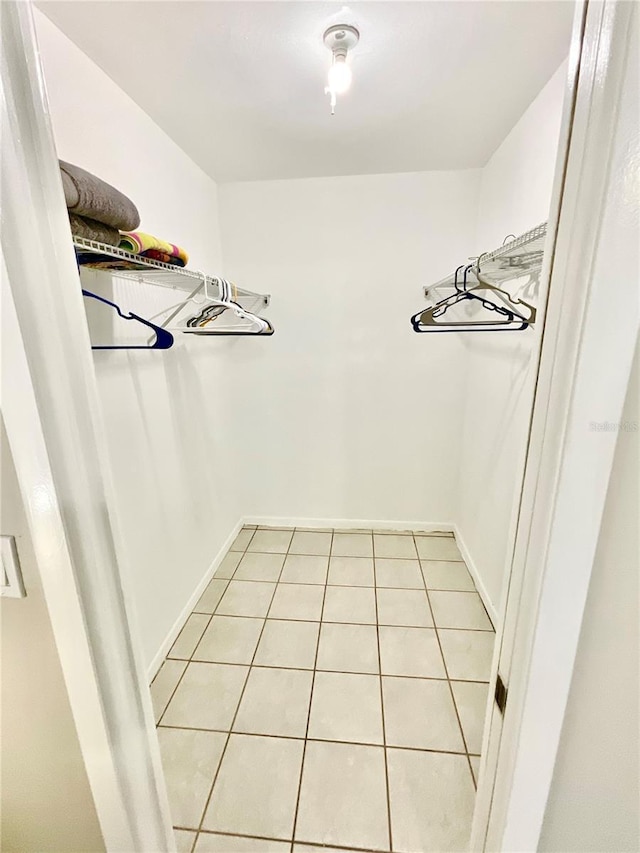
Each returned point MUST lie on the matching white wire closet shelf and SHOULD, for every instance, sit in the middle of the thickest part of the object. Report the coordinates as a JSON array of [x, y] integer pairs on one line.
[[493, 292], [194, 287], [521, 256]]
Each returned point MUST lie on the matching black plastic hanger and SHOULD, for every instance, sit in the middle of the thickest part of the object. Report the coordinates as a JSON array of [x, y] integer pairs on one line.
[[511, 319]]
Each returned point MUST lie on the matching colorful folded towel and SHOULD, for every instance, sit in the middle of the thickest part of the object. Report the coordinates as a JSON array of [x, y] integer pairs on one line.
[[87, 195], [139, 242], [90, 229]]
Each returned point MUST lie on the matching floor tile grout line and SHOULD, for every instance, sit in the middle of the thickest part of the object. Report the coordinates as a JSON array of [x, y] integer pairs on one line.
[[173, 693], [335, 622], [416, 559], [353, 585], [384, 729], [195, 648], [337, 671], [453, 698], [322, 740], [236, 835], [352, 556], [328, 847], [233, 720], [322, 621], [313, 681]]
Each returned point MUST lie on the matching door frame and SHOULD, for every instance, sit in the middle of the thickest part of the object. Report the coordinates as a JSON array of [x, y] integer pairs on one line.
[[568, 465], [52, 413]]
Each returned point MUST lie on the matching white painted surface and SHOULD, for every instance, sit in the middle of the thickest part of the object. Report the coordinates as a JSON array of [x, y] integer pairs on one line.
[[515, 188], [50, 408], [351, 414], [184, 613], [349, 523], [240, 86], [570, 464], [374, 415], [594, 798], [166, 416], [558, 564], [413, 394], [353, 418], [515, 193], [46, 800]]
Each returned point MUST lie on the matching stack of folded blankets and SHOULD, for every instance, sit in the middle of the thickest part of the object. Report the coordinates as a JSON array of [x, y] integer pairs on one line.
[[97, 211]]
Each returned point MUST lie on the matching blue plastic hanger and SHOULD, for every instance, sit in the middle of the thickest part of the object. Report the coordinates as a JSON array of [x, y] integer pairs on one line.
[[164, 338]]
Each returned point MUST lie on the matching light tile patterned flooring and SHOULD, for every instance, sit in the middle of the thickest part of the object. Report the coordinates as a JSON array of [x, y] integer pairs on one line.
[[329, 689]]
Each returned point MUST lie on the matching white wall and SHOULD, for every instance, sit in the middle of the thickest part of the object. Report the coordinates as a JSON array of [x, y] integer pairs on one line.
[[595, 794], [379, 423], [345, 413], [351, 415], [174, 483], [516, 183], [515, 194]]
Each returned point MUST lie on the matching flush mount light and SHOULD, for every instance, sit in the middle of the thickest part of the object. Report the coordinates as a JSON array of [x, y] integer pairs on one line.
[[340, 39]]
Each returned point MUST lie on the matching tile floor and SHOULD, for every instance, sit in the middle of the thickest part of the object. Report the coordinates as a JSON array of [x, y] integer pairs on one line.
[[328, 690]]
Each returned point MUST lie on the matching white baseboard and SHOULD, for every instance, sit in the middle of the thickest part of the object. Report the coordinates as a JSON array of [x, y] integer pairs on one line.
[[178, 625], [475, 574], [351, 524]]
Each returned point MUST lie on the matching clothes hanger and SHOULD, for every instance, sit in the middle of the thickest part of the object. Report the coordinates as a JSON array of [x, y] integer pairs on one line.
[[505, 295], [206, 315], [427, 321], [197, 325], [429, 317], [164, 338], [513, 305]]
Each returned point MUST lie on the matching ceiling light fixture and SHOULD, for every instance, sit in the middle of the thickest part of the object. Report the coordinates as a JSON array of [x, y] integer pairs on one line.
[[339, 39]]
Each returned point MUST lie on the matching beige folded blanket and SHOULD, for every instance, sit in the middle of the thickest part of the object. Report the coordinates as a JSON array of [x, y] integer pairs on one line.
[[88, 196], [90, 229]]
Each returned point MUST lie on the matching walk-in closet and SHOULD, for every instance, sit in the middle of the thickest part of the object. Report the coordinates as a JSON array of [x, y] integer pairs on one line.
[[313, 246]]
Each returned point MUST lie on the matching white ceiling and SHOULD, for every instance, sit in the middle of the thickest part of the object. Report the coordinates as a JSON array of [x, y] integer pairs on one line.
[[239, 85]]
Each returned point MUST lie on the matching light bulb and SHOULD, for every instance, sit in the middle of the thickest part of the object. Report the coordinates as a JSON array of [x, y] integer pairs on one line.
[[339, 76]]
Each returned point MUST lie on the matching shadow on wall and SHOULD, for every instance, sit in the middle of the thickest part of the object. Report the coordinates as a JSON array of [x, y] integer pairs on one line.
[[166, 416], [498, 404]]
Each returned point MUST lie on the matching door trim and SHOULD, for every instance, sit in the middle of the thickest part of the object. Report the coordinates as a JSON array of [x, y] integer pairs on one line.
[[52, 415], [53, 420], [568, 466]]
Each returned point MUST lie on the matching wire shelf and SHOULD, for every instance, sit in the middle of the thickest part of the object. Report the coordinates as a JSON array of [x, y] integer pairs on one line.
[[521, 256], [161, 274]]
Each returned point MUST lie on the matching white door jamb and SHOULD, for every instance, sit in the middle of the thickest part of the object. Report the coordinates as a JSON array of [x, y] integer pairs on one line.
[[52, 415], [585, 365]]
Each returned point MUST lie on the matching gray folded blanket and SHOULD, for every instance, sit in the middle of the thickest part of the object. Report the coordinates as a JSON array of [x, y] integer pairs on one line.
[[90, 229], [88, 196]]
